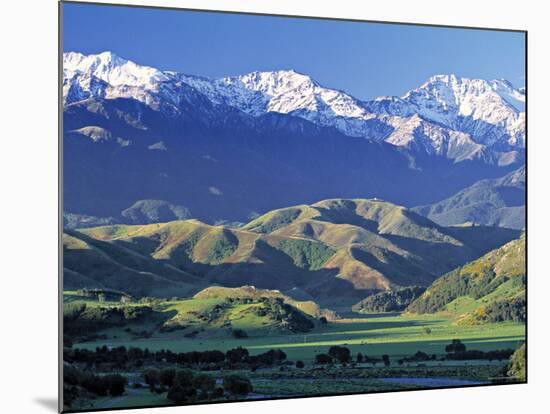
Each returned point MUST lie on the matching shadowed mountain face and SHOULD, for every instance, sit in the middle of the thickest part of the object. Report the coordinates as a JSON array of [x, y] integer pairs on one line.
[[491, 202], [334, 250], [235, 167]]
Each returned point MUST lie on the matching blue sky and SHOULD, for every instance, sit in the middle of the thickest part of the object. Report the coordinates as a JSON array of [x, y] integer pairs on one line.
[[364, 59]]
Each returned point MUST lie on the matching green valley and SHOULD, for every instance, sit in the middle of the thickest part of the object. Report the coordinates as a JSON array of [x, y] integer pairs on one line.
[[361, 290]]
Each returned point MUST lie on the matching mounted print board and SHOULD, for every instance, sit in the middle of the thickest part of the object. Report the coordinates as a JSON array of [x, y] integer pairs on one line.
[[262, 207]]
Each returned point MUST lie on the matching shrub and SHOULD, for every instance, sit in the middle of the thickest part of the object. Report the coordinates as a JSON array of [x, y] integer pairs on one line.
[[239, 333], [517, 368]]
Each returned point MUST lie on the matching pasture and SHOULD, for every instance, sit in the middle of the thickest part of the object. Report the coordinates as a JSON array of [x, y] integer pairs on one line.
[[373, 335]]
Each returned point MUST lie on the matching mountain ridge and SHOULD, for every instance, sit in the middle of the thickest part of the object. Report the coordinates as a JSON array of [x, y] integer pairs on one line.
[[348, 246], [480, 109], [498, 201]]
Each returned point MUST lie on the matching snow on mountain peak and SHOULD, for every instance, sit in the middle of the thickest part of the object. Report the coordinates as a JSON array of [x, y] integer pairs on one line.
[[112, 69], [273, 83], [448, 110], [487, 110]]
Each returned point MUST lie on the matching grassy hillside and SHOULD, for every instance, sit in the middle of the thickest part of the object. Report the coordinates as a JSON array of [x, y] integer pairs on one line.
[[347, 247], [489, 289], [92, 263], [213, 312], [309, 307], [492, 202]]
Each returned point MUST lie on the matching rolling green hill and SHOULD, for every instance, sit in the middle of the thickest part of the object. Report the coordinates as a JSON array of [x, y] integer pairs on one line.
[[92, 263], [337, 250], [214, 311], [489, 289], [493, 202]]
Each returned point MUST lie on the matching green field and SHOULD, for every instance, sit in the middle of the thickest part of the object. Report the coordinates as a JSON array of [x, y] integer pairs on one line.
[[208, 321], [373, 335]]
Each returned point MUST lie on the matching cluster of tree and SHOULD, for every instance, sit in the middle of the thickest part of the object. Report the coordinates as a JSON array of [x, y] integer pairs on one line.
[[342, 355], [306, 254], [78, 318], [222, 248], [339, 354], [456, 350], [103, 295], [390, 300], [505, 310], [184, 386], [290, 318], [76, 380], [497, 355], [121, 357], [418, 357]]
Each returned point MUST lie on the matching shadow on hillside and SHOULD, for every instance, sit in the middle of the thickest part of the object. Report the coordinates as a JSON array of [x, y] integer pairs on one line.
[[271, 269]]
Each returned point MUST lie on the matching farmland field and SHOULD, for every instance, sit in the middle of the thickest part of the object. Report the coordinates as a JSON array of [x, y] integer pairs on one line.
[[396, 335]]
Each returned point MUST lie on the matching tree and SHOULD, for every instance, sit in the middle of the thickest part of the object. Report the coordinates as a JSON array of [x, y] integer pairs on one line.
[[340, 353], [300, 364], [386, 360], [237, 385], [359, 357], [204, 383], [323, 359], [455, 346], [167, 376], [180, 394], [116, 384], [151, 378], [238, 354], [135, 354], [184, 378]]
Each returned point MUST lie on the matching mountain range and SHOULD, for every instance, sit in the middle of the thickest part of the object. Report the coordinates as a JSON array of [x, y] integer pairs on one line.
[[143, 145], [484, 113]]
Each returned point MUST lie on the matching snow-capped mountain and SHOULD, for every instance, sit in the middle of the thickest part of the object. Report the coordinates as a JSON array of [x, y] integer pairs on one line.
[[490, 112], [454, 117]]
